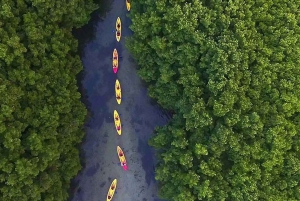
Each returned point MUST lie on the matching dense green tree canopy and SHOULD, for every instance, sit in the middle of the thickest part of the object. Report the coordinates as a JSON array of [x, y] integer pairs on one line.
[[230, 70], [41, 113]]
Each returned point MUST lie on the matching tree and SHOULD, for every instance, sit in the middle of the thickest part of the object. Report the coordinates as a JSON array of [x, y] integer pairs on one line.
[[41, 113], [230, 72]]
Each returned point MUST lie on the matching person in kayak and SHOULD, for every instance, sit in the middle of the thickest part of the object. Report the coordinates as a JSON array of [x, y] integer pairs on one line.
[[118, 33], [118, 128], [109, 197], [117, 118], [118, 26], [118, 97], [120, 154], [123, 164], [118, 87], [112, 188]]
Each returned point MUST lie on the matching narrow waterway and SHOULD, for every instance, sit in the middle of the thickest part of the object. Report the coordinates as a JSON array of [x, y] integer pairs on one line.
[[138, 113]]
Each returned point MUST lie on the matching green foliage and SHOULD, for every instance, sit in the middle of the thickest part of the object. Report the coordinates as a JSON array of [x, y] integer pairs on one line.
[[230, 72], [41, 113]]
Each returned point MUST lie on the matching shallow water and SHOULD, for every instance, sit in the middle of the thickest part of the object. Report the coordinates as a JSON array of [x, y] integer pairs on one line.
[[139, 115]]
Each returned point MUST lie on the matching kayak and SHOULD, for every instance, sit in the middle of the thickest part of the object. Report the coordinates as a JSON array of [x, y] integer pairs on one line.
[[115, 61], [111, 190], [122, 158], [118, 29], [128, 5], [117, 122], [118, 91]]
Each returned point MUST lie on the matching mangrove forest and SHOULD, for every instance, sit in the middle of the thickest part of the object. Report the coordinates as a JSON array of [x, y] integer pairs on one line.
[[41, 114], [229, 71]]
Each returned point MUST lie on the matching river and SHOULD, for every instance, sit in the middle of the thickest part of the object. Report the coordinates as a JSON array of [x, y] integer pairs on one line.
[[139, 115]]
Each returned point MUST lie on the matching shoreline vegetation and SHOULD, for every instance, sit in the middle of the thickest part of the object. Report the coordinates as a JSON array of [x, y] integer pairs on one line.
[[41, 116], [230, 72]]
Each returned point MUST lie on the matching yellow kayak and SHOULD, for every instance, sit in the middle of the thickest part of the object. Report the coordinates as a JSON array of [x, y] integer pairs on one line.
[[118, 29], [128, 5], [115, 61], [122, 158], [111, 190], [118, 91], [117, 122]]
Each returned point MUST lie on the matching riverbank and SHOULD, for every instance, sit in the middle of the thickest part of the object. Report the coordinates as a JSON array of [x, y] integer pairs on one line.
[[138, 113]]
